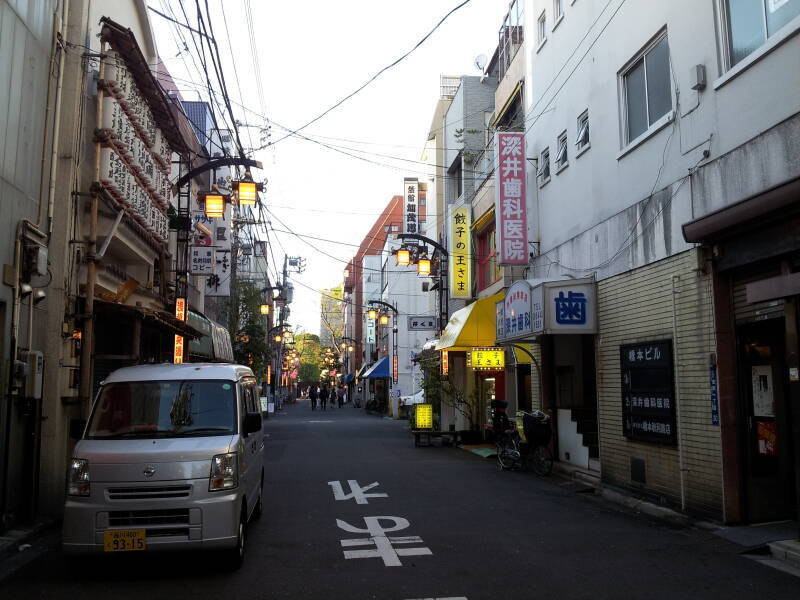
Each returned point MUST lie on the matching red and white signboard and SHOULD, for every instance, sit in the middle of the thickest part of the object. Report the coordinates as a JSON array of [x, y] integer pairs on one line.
[[510, 204]]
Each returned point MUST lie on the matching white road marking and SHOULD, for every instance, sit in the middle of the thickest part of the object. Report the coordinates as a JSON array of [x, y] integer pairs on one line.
[[356, 491], [319, 421], [384, 548], [441, 598]]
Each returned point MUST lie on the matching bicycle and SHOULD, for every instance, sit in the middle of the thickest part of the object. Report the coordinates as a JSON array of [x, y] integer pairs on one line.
[[533, 450]]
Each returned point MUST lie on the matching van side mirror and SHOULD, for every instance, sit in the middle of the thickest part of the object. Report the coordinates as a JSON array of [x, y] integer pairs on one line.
[[76, 427], [252, 423]]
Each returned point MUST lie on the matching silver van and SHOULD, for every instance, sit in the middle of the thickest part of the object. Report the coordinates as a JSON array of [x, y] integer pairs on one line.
[[170, 458]]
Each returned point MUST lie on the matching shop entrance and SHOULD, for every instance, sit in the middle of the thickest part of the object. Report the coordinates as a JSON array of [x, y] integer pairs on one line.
[[765, 421], [491, 386], [576, 400]]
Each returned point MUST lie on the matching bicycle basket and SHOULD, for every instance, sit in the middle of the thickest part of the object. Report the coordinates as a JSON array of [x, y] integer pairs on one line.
[[537, 431]]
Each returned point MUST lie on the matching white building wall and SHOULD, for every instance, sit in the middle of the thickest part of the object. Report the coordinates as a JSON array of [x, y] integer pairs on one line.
[[594, 215]]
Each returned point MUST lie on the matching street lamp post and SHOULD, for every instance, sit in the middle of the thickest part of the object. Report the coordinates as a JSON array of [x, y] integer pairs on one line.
[[443, 287], [394, 331]]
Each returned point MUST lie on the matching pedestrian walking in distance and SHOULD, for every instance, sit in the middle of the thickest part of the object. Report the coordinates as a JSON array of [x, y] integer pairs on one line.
[[313, 394], [323, 396], [340, 395]]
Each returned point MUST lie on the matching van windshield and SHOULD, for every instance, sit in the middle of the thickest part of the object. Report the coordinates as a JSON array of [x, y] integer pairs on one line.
[[154, 409]]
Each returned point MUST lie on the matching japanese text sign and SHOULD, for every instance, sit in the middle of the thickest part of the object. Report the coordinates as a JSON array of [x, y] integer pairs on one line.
[[219, 282], [410, 192], [510, 199], [201, 260], [421, 323], [180, 308], [648, 397], [517, 311], [177, 353], [460, 250], [423, 416], [486, 358]]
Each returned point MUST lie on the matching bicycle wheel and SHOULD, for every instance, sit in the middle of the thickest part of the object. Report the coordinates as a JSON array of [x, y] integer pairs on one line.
[[504, 459], [542, 460]]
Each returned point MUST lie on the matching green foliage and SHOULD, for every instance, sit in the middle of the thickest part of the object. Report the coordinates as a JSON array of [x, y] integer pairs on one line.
[[309, 349], [255, 351]]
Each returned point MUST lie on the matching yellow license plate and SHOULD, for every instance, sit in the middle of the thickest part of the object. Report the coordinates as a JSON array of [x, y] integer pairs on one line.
[[124, 540]]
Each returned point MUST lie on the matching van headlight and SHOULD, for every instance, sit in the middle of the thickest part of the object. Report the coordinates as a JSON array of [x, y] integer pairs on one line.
[[224, 472], [78, 477]]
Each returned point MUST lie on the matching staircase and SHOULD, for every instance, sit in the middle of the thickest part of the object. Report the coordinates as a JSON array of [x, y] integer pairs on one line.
[[586, 420]]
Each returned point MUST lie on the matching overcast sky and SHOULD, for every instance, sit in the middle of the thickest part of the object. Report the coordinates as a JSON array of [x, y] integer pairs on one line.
[[311, 54]]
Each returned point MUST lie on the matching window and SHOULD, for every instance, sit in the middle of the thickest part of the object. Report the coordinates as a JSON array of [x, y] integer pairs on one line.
[[558, 11], [561, 155], [544, 166], [511, 36], [750, 22], [454, 180], [582, 141], [647, 90], [488, 269], [395, 228], [163, 409], [541, 29]]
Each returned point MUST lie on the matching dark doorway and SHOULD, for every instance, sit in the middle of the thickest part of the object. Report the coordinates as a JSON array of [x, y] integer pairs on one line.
[[764, 421]]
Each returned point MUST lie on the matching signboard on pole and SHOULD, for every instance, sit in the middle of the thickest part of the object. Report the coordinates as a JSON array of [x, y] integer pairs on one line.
[[460, 251], [201, 260], [411, 205], [421, 323], [510, 199]]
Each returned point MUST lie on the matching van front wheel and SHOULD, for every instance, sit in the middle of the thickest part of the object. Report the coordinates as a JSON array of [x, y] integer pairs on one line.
[[235, 556]]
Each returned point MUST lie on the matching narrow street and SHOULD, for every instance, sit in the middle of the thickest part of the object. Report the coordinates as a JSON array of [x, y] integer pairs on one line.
[[475, 532]]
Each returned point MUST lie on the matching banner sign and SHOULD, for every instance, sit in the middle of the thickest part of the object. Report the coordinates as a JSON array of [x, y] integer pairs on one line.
[[510, 199], [219, 282], [395, 368], [370, 331], [648, 392], [421, 323], [460, 250], [410, 191]]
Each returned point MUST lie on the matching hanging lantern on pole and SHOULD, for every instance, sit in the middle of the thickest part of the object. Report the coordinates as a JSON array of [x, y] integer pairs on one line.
[[214, 205]]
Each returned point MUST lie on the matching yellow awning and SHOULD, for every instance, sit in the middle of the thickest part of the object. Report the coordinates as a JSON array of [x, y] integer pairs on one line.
[[522, 358], [472, 326]]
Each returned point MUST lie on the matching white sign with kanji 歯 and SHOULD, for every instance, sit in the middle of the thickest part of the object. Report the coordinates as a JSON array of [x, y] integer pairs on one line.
[[510, 199]]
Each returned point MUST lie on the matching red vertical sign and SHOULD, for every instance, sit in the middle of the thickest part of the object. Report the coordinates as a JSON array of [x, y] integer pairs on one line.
[[510, 199]]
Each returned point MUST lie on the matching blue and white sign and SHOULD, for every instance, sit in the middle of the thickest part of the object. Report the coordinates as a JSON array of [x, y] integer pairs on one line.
[[534, 307], [517, 313], [570, 306]]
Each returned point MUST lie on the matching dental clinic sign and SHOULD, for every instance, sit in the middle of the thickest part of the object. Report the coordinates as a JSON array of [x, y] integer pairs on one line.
[[536, 307], [518, 312], [510, 204]]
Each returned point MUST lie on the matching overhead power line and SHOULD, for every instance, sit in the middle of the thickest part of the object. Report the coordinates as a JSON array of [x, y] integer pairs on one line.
[[374, 77]]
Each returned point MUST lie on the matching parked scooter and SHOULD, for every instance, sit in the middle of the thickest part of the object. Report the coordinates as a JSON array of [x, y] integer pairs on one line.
[[524, 442]]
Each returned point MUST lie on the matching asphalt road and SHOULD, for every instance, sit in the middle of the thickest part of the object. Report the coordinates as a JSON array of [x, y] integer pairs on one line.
[[451, 526]]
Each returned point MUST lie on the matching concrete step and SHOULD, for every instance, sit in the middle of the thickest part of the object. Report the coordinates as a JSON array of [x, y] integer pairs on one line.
[[787, 551]]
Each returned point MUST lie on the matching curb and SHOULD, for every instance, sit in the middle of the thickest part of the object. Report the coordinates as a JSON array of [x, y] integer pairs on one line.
[[644, 507], [14, 538]]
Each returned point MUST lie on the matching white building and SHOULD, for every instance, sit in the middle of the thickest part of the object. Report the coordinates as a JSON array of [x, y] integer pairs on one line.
[[653, 127]]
